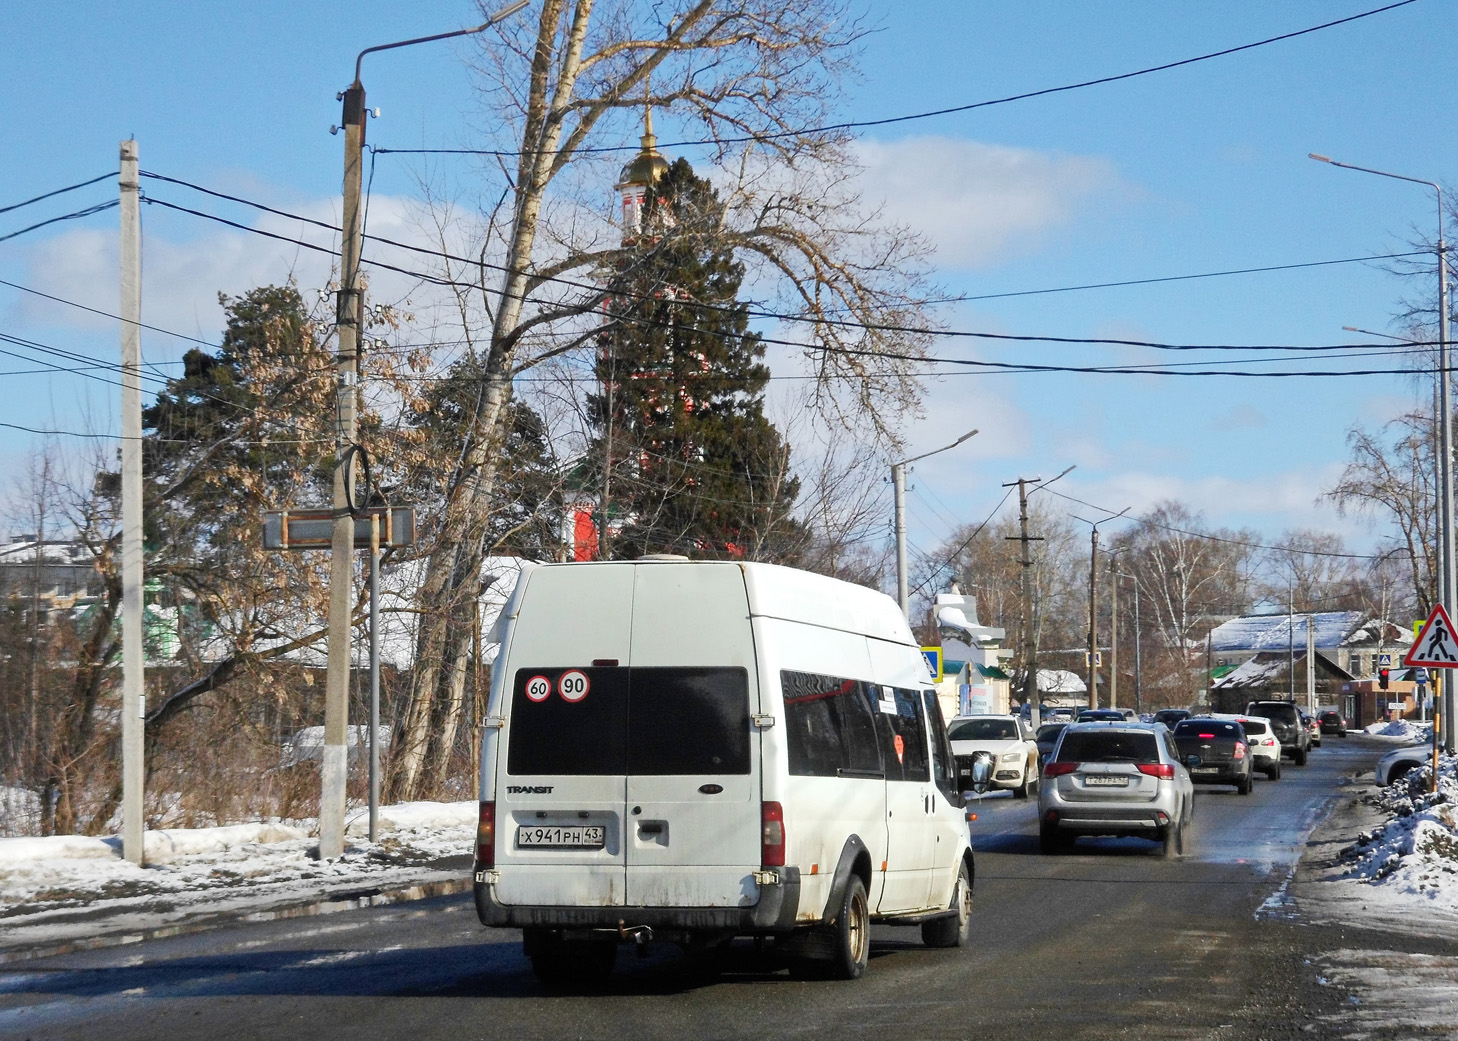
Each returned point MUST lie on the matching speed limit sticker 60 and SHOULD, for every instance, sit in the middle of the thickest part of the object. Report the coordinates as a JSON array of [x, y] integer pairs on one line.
[[573, 685], [539, 688]]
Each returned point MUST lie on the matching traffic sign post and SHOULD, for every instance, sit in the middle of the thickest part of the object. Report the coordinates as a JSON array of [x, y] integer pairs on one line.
[[1437, 647], [375, 528]]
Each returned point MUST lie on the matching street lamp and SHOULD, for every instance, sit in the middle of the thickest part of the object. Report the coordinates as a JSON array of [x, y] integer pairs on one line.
[[334, 768], [898, 491], [1446, 583], [1093, 603]]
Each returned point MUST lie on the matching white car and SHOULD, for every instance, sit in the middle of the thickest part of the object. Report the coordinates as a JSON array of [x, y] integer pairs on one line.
[[1010, 741], [1260, 737], [1395, 764]]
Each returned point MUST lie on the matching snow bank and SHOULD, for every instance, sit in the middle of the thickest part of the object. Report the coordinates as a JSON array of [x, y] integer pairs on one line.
[[194, 866], [1413, 856], [1406, 732]]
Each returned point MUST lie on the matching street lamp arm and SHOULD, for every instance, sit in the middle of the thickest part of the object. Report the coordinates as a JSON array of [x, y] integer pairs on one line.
[[504, 13], [936, 451]]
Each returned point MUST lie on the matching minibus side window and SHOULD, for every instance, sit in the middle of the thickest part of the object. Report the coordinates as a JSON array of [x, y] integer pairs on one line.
[[688, 721], [908, 724], [830, 729], [941, 748]]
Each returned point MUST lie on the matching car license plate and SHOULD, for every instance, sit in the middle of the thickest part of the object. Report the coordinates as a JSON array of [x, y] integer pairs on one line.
[[1205, 770], [1106, 781], [550, 836]]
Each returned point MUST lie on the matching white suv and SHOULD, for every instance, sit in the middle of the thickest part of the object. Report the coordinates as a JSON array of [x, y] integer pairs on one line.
[[1010, 741]]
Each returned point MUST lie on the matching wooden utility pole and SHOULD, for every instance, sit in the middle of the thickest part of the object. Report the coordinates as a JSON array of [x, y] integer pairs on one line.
[[1030, 645], [134, 699]]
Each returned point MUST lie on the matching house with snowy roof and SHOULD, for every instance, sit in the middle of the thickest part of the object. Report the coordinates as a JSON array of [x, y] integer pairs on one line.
[[1264, 656]]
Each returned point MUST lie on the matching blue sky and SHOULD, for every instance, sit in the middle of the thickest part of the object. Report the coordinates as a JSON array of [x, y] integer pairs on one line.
[[1201, 168]]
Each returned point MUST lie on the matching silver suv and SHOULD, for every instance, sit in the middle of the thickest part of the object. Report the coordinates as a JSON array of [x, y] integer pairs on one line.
[[1115, 779]]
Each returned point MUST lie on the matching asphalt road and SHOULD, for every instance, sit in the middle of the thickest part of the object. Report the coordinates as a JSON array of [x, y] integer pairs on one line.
[[1109, 941]]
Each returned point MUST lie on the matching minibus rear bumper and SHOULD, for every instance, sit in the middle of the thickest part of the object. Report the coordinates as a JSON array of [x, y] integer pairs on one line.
[[774, 913]]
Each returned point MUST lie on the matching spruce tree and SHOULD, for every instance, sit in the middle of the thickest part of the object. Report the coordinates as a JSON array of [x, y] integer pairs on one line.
[[693, 466]]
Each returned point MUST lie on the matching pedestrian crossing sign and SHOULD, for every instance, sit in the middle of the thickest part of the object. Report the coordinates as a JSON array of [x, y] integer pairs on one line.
[[1437, 647]]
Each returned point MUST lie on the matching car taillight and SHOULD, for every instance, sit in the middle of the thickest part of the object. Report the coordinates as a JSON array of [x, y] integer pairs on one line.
[[1239, 750], [1058, 769], [486, 836], [1207, 737], [1157, 770], [772, 835], [1268, 740]]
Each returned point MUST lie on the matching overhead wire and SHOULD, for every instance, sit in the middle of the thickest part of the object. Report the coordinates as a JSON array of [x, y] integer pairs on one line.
[[758, 312], [931, 114], [88, 211], [58, 191]]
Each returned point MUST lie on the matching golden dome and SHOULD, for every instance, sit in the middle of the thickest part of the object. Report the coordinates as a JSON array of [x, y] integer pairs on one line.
[[648, 165]]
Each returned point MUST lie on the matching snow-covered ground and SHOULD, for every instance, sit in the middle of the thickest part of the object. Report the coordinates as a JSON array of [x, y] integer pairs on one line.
[[58, 889]]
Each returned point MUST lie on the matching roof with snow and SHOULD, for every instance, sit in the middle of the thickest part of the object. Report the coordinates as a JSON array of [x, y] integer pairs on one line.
[[1279, 632], [1268, 667], [1060, 681]]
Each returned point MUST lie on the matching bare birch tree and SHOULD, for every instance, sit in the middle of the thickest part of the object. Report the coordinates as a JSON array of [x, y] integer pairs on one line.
[[749, 77]]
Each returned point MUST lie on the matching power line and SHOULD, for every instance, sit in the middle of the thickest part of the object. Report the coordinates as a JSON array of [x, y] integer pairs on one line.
[[88, 211], [58, 191], [862, 124], [1221, 538], [108, 314], [965, 543], [755, 312]]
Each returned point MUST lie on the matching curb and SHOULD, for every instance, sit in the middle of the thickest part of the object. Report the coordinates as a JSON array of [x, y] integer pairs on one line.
[[348, 900]]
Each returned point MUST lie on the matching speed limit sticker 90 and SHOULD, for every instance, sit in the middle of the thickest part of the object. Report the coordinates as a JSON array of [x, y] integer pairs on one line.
[[539, 688], [573, 685]]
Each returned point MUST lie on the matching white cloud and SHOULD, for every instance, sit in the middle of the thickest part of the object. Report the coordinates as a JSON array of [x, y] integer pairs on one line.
[[980, 203]]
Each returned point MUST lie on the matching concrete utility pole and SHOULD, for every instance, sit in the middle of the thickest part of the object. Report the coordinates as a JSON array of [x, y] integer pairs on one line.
[[1030, 646], [1310, 665], [1447, 582], [1093, 605], [134, 698], [1138, 664], [1114, 632], [898, 492], [1093, 619], [346, 363]]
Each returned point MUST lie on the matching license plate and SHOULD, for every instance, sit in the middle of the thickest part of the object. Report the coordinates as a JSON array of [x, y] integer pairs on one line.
[[548, 836], [1205, 770], [1105, 781]]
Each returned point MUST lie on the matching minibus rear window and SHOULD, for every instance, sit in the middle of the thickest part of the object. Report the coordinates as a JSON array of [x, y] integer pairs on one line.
[[637, 721], [688, 721], [553, 734], [829, 726]]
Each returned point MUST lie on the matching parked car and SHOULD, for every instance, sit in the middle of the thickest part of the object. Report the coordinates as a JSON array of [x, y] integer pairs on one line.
[[1115, 779], [1013, 746], [1395, 764], [1332, 722], [1170, 716], [1216, 751], [1286, 719], [1046, 738], [1102, 715], [685, 751], [1264, 748]]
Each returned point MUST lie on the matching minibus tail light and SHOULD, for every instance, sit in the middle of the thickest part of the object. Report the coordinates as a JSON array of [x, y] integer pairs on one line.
[[772, 840], [486, 836]]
